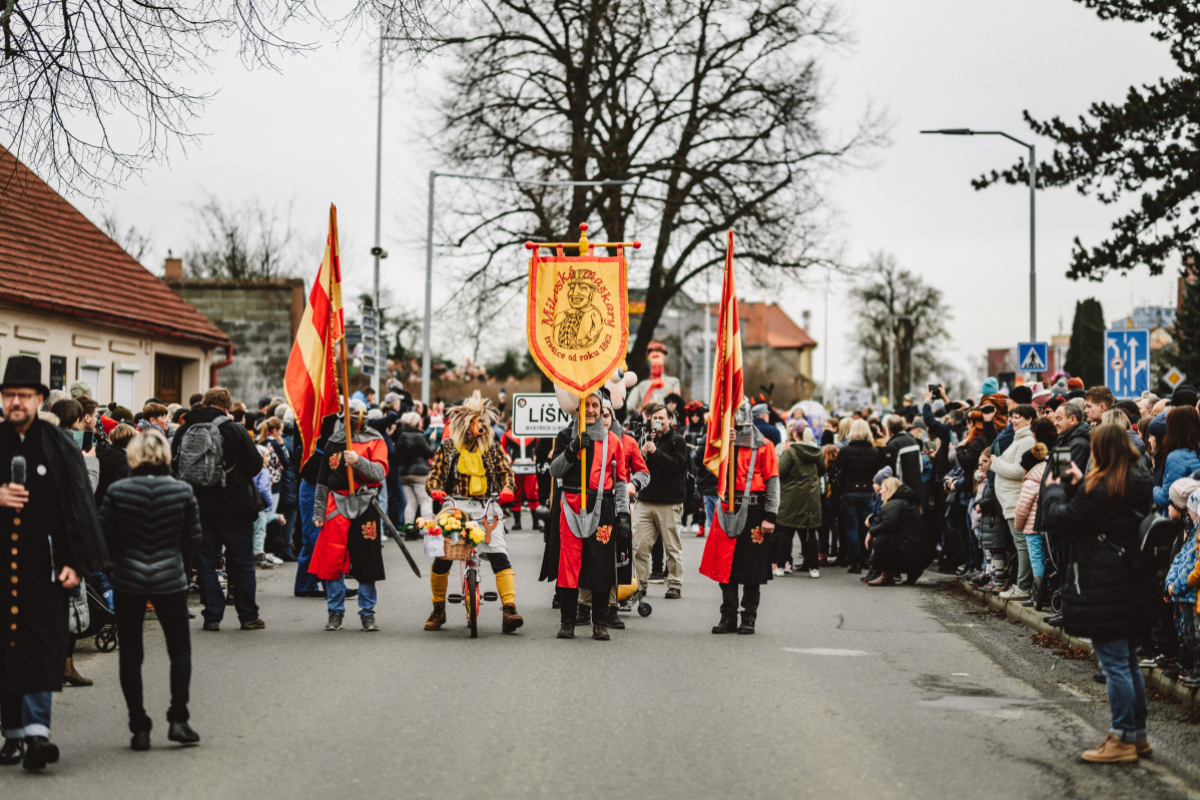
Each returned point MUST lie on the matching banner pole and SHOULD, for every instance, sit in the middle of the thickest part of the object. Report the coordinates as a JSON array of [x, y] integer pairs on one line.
[[583, 478], [336, 274]]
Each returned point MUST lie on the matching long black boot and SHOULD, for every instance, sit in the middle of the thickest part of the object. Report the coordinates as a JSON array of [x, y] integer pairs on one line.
[[728, 623], [1039, 596]]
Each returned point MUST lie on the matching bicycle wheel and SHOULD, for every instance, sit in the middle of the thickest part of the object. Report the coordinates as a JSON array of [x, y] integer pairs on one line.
[[471, 600]]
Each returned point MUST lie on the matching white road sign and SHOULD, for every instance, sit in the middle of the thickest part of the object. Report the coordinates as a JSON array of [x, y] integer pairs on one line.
[[538, 415]]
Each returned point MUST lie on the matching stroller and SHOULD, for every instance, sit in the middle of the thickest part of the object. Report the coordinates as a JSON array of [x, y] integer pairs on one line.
[[102, 622]]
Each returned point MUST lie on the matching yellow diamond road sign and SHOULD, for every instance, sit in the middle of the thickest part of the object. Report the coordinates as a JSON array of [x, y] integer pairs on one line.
[[1173, 377]]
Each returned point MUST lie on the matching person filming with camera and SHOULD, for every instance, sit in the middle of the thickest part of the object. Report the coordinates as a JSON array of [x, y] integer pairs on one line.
[[659, 509]]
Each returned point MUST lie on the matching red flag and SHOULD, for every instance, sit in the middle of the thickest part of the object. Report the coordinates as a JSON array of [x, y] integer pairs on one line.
[[728, 388], [311, 382]]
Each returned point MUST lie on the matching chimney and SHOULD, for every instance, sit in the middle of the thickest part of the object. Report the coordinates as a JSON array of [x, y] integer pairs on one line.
[[805, 319], [173, 267]]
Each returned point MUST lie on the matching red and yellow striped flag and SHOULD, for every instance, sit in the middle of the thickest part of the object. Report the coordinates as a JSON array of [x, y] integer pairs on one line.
[[311, 382], [728, 388]]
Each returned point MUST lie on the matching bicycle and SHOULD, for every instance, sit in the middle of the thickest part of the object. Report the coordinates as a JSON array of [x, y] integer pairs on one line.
[[465, 553]]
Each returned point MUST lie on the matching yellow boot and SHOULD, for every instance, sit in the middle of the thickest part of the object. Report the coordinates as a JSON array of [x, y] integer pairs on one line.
[[506, 583], [437, 585]]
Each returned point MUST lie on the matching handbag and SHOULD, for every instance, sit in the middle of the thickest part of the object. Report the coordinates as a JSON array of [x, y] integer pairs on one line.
[[78, 616]]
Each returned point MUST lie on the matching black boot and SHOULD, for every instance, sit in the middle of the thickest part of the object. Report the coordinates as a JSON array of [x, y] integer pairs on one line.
[[39, 751], [533, 525], [1038, 597], [747, 626], [516, 526], [182, 733], [728, 623], [12, 752], [614, 619], [583, 614]]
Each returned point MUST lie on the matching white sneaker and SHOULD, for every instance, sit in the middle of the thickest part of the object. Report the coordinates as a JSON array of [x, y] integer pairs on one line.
[[787, 569], [777, 572], [278, 561], [1013, 593], [814, 573]]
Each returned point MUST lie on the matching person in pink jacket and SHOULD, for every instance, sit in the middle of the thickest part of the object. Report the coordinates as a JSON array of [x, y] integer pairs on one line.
[[1035, 463]]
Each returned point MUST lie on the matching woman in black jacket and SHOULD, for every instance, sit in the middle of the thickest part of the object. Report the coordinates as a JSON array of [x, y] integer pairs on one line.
[[113, 464], [858, 462], [151, 523], [899, 541], [1104, 597], [414, 452]]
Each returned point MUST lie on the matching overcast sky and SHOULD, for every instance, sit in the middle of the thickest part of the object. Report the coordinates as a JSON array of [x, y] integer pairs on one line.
[[308, 133]]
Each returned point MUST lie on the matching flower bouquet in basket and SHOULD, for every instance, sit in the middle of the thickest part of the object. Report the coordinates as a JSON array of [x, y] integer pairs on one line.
[[454, 532]]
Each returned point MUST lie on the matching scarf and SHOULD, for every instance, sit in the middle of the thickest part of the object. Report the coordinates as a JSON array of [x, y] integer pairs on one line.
[[470, 463]]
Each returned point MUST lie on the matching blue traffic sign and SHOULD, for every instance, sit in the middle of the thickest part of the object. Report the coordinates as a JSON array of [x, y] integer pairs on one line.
[[1127, 362], [1033, 357]]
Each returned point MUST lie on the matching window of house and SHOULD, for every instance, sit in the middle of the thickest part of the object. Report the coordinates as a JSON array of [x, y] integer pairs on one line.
[[125, 384]]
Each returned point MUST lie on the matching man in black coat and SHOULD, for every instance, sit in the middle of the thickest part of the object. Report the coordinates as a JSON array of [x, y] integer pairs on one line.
[[659, 509], [903, 455], [52, 498], [1074, 434], [227, 515]]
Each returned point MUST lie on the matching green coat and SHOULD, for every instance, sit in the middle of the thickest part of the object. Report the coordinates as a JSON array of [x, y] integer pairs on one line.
[[800, 469]]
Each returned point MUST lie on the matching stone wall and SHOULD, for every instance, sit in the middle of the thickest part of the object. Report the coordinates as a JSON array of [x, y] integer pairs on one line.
[[261, 317]]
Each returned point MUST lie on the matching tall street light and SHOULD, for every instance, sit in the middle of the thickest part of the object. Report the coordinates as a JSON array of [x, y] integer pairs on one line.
[[1032, 213], [427, 356]]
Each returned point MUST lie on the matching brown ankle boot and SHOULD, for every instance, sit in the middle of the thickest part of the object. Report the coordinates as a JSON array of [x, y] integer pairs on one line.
[[1113, 750], [567, 631], [600, 630], [437, 619], [71, 676], [512, 620]]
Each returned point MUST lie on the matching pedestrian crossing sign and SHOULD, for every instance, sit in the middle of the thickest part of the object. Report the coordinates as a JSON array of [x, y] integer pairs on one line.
[[1032, 357]]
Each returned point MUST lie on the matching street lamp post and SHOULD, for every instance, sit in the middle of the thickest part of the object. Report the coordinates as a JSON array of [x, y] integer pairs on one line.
[[426, 355], [1032, 213]]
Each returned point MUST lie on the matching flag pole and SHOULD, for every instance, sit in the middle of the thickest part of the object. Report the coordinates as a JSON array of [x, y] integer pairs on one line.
[[336, 275], [583, 473]]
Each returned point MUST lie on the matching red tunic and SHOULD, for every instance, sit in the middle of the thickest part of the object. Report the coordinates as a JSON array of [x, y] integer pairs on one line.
[[719, 547], [570, 554], [331, 555]]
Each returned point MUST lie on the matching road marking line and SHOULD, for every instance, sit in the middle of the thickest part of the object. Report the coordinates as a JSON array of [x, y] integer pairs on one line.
[[825, 651]]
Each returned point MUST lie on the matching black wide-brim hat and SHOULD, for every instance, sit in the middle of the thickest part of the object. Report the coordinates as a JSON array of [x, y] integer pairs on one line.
[[24, 372]]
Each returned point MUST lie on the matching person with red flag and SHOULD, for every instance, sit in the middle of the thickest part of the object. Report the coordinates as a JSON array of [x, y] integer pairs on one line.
[[350, 543], [312, 393], [737, 550]]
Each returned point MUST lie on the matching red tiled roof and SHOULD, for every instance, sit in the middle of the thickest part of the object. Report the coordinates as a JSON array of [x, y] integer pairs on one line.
[[768, 324], [53, 257]]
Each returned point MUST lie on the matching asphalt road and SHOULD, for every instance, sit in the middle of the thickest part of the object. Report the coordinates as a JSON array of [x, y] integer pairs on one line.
[[844, 691]]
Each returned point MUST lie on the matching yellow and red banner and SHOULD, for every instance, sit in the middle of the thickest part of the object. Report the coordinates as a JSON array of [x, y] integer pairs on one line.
[[577, 318], [728, 387], [311, 383]]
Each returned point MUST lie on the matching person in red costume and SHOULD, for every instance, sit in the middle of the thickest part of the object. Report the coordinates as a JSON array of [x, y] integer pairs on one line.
[[520, 456], [470, 464], [737, 550], [349, 542], [655, 388]]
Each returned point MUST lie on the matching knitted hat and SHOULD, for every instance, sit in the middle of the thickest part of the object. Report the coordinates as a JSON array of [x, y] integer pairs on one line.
[[990, 386], [1183, 396], [1040, 398], [1021, 395], [1182, 491], [1193, 503], [1054, 402], [80, 389], [1075, 383], [760, 409], [882, 476]]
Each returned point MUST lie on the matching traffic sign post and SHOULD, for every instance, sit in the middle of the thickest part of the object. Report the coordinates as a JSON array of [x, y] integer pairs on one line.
[[538, 415], [1127, 362], [1033, 357]]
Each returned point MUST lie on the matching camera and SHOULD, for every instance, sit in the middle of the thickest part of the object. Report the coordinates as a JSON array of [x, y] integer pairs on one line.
[[656, 424], [935, 390]]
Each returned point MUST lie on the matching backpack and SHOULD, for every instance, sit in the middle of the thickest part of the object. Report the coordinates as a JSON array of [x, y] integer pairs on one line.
[[202, 454], [1154, 544]]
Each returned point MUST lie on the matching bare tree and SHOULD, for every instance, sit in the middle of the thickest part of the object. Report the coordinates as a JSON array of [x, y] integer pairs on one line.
[[708, 107], [247, 242], [131, 240], [77, 74], [896, 300]]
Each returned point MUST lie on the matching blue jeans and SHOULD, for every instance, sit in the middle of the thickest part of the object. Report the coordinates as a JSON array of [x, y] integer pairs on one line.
[[305, 581], [1037, 553], [335, 597], [396, 499], [31, 710], [1126, 689], [237, 539], [855, 508], [710, 508]]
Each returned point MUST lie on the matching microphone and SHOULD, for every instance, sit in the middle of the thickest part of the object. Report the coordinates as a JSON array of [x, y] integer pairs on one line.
[[18, 470]]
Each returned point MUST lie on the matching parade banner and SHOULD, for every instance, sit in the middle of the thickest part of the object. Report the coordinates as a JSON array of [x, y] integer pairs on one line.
[[728, 388], [310, 382], [577, 320]]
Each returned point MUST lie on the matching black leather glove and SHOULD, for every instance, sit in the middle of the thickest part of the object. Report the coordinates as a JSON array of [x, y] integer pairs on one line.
[[582, 442], [624, 538]]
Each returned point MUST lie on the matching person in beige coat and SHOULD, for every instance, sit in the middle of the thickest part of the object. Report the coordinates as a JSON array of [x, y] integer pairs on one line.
[[1009, 477]]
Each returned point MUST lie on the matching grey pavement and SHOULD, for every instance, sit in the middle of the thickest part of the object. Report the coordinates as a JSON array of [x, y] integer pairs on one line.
[[844, 691]]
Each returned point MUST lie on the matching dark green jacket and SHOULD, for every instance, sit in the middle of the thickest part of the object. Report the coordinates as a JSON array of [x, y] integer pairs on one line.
[[800, 469]]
